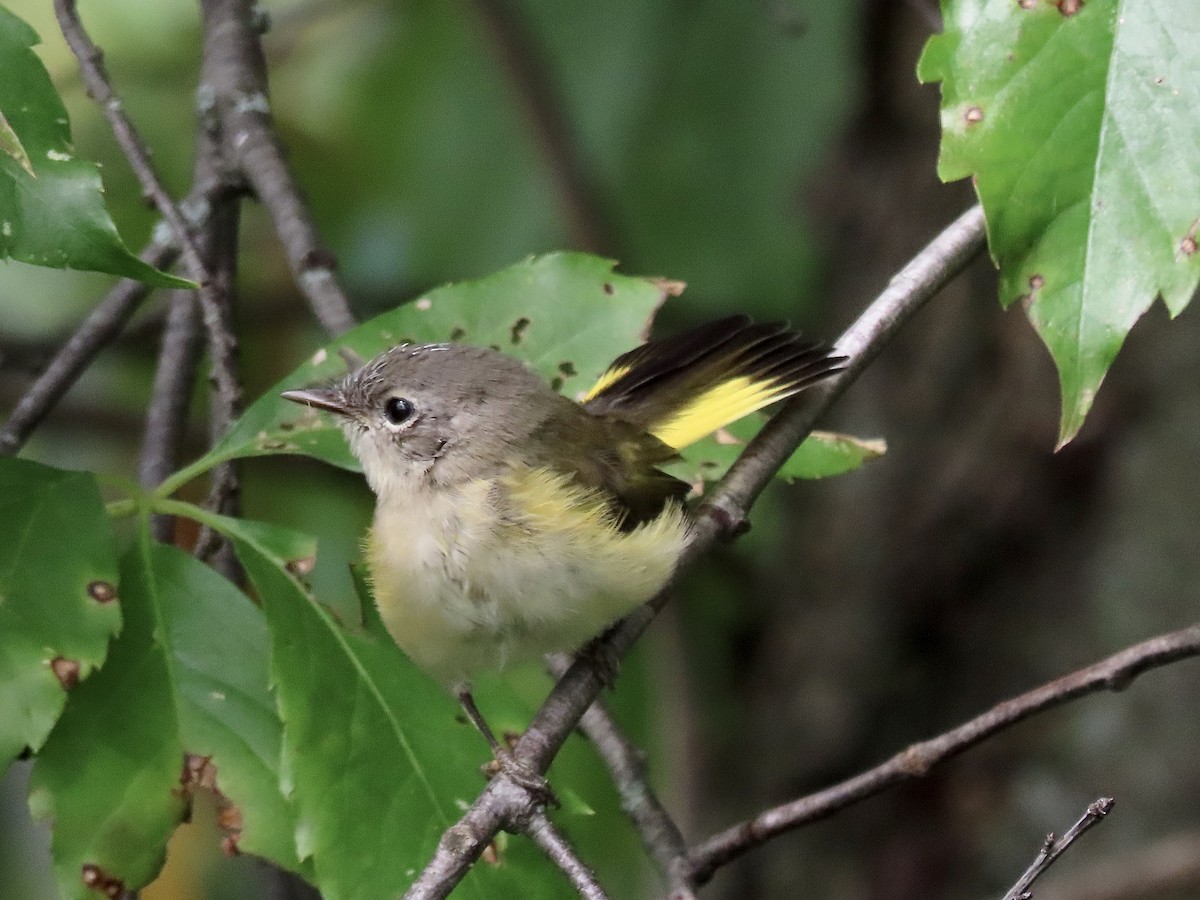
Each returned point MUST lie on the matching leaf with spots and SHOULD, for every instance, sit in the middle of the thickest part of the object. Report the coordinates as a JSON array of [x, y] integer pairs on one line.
[[52, 209], [821, 455], [567, 314], [182, 704], [58, 609], [1078, 123]]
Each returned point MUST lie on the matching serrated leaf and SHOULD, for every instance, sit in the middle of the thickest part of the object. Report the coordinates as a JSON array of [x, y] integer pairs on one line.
[[52, 209], [1078, 123], [377, 763], [58, 609], [825, 454], [821, 455], [181, 703], [567, 314]]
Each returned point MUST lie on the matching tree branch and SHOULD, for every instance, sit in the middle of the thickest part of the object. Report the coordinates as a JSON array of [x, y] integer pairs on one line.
[[626, 763], [170, 397], [543, 833], [719, 516], [1168, 867], [99, 88], [1111, 674], [1053, 848], [235, 83], [100, 328]]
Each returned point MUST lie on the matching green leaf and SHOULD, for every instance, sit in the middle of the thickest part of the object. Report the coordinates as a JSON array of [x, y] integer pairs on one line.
[[181, 703], [568, 314], [52, 209], [58, 577], [826, 453], [821, 455], [1080, 130], [378, 766]]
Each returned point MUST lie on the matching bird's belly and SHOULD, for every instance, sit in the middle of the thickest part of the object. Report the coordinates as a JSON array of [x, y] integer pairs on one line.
[[461, 589]]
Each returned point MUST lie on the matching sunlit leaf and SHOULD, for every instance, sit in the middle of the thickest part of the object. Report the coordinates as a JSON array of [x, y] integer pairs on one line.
[[52, 209], [1077, 122]]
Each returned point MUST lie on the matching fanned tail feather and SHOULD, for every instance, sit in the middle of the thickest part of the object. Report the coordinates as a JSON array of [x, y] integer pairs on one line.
[[685, 387]]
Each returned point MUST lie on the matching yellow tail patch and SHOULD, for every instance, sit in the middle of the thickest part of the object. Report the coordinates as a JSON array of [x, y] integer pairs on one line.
[[609, 378], [721, 404]]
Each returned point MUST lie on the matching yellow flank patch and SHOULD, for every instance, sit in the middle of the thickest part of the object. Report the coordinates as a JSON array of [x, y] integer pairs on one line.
[[721, 404], [608, 379]]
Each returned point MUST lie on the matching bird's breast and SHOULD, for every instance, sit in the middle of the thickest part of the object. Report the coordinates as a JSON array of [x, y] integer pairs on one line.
[[501, 570]]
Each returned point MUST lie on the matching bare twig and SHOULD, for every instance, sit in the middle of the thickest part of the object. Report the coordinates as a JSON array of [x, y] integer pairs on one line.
[[101, 327], [166, 417], [943, 258], [626, 763], [546, 115], [1053, 848], [543, 833], [95, 79], [236, 82], [1167, 867], [1111, 674], [219, 245]]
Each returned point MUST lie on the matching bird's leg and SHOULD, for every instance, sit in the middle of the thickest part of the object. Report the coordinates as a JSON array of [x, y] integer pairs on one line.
[[518, 772]]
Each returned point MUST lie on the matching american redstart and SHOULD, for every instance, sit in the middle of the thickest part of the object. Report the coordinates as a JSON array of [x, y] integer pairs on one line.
[[512, 521]]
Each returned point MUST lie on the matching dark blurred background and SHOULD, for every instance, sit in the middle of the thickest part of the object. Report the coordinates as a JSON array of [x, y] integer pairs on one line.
[[779, 156]]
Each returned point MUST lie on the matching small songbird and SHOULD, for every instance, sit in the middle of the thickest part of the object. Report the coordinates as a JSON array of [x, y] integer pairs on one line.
[[512, 521]]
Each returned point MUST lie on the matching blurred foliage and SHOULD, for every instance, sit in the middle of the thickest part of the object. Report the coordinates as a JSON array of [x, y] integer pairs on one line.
[[969, 564]]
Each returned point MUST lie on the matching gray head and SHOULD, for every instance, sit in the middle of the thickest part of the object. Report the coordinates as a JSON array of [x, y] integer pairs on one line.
[[458, 409]]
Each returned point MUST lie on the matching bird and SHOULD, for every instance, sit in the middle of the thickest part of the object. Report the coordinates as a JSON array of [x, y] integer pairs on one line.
[[512, 521]]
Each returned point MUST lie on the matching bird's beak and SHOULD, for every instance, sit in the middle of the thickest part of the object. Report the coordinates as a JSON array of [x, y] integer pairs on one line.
[[320, 398]]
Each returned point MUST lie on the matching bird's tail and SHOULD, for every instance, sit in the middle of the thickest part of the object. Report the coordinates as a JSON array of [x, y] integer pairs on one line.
[[683, 388]]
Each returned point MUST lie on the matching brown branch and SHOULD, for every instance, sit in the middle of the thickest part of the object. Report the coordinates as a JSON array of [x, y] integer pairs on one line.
[[1053, 848], [99, 329], [99, 88], [551, 842], [236, 83], [1111, 674], [626, 764], [1170, 866], [170, 398], [545, 111], [501, 802]]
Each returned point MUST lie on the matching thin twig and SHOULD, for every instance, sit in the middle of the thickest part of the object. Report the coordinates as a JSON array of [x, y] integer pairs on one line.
[[219, 246], [626, 763], [935, 265], [99, 88], [100, 328], [236, 82], [1111, 674], [546, 113], [1168, 867], [543, 833], [166, 416], [1053, 847]]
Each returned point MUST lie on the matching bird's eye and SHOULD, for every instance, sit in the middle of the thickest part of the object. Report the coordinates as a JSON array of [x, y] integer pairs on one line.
[[397, 410]]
